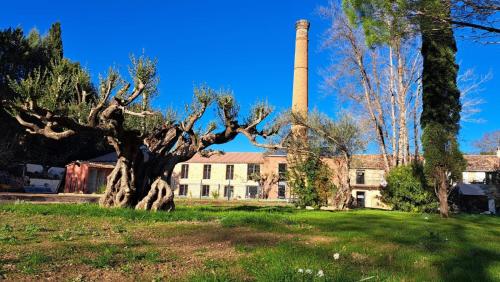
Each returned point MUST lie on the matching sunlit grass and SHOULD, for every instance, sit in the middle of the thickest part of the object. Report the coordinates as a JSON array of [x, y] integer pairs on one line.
[[227, 243]]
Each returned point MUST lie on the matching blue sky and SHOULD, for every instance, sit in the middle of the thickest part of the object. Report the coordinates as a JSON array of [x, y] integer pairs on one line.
[[247, 46]]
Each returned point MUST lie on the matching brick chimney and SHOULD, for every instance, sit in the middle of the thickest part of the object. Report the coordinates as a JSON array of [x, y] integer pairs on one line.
[[300, 76]]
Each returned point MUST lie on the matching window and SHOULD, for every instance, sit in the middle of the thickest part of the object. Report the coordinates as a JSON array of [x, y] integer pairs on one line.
[[360, 177], [184, 171], [229, 172], [207, 169], [183, 190], [282, 171], [252, 192], [228, 191], [253, 170], [360, 199], [205, 190], [281, 191]]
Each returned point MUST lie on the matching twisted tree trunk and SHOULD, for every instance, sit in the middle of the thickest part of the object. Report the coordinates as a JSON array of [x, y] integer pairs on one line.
[[159, 197], [126, 179]]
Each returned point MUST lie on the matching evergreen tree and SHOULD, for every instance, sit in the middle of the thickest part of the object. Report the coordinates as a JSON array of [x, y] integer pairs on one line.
[[441, 100], [54, 42], [21, 55]]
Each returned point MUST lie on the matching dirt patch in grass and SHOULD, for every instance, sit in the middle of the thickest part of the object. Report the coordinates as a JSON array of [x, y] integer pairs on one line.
[[161, 251], [318, 239]]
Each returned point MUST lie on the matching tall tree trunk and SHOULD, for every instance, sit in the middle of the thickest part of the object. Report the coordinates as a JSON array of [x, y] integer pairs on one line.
[[401, 100], [342, 198], [443, 193], [393, 109], [416, 122], [368, 90]]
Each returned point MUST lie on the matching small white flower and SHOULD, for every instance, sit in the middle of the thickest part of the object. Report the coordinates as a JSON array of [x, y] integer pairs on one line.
[[336, 256], [308, 271], [301, 270], [426, 218], [320, 273]]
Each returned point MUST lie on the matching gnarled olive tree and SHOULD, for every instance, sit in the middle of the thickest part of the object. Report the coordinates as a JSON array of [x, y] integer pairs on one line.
[[148, 144]]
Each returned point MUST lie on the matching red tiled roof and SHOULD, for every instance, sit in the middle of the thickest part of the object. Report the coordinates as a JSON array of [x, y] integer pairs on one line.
[[367, 161], [230, 157], [482, 162]]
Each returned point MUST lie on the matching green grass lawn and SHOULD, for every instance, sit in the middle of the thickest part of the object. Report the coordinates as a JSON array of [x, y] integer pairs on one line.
[[68, 242]]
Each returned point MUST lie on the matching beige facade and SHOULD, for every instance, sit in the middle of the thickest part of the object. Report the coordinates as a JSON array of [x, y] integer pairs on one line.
[[367, 176], [225, 176], [366, 184], [216, 182], [366, 181]]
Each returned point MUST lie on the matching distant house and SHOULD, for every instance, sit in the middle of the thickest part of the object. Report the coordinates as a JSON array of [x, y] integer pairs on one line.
[[229, 175], [481, 169], [88, 176], [480, 187]]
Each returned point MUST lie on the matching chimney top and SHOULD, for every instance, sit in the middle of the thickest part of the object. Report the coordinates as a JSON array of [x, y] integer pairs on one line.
[[302, 24]]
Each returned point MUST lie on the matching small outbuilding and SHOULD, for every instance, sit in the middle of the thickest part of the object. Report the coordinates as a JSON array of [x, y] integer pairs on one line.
[[89, 176], [477, 197]]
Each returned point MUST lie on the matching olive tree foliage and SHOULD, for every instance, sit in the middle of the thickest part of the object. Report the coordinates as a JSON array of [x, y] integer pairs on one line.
[[20, 55], [148, 144], [339, 139]]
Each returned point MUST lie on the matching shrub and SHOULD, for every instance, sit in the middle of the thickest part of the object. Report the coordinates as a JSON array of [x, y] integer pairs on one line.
[[310, 181], [406, 190], [215, 194], [101, 189]]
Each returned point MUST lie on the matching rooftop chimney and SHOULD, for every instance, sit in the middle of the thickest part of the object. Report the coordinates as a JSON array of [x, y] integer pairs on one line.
[[300, 73]]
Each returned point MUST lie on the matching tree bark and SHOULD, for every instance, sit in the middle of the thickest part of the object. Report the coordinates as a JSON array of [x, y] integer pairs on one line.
[[342, 198], [159, 197], [120, 187], [443, 194]]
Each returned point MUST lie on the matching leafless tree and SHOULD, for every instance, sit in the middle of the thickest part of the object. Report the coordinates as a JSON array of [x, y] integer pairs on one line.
[[382, 81], [489, 143]]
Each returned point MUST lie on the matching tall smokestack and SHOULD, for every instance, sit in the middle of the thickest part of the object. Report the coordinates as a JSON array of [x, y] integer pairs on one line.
[[300, 73]]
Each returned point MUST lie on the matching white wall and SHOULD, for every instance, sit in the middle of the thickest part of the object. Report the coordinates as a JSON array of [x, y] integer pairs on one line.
[[473, 176]]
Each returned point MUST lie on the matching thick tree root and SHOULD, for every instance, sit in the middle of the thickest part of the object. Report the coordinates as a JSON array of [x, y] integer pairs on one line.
[[120, 191], [160, 197]]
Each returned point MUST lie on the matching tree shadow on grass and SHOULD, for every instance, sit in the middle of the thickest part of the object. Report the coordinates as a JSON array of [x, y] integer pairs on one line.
[[458, 255], [279, 209], [470, 263], [248, 208]]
